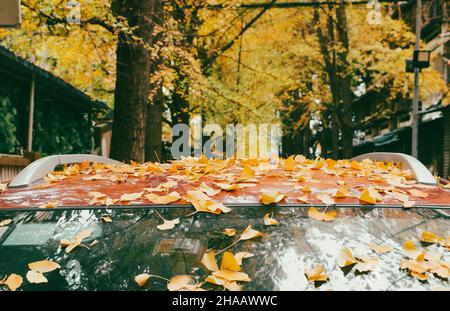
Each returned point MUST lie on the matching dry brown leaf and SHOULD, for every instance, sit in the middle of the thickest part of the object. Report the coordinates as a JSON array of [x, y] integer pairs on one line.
[[168, 224], [43, 266], [316, 274], [250, 233], [315, 214], [268, 221], [35, 277]]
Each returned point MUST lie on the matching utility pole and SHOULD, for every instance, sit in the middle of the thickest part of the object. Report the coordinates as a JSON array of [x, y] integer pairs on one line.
[[415, 110]]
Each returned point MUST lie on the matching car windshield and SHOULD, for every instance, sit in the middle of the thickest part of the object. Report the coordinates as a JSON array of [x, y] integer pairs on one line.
[[113, 253]]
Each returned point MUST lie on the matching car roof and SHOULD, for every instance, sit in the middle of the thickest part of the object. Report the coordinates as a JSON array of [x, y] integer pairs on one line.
[[296, 181]]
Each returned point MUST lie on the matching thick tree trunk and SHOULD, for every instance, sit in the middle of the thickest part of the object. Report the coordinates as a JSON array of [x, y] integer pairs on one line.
[[133, 87]]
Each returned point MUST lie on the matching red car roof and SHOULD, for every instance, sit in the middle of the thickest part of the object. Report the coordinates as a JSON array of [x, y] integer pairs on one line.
[[295, 181]]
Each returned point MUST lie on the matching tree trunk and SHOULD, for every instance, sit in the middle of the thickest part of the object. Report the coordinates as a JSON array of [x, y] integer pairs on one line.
[[133, 87], [153, 129]]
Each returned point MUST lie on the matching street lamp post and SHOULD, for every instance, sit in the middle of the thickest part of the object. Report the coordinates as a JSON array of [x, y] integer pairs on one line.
[[415, 110]]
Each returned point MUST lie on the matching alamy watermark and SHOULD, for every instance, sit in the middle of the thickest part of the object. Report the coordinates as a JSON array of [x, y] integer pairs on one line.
[[74, 15], [236, 140], [374, 15]]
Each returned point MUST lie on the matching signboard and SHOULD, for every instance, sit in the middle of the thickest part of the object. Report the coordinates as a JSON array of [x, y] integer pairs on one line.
[[10, 15]]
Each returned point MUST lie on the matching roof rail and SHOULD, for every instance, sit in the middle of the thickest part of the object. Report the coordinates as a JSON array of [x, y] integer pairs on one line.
[[418, 170], [40, 168]]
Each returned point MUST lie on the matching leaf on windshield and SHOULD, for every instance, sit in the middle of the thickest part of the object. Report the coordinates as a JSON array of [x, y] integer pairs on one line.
[[168, 224], [268, 221], [250, 233], [78, 239], [241, 256], [430, 237], [366, 264], [381, 249], [345, 258], [36, 277], [106, 218], [229, 232], [320, 216], [209, 261], [142, 279], [232, 275], [43, 266], [410, 249], [316, 274], [14, 281], [203, 203], [179, 282], [5, 222], [229, 262]]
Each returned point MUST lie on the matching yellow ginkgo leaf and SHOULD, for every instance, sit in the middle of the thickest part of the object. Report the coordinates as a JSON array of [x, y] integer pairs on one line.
[[227, 187], [209, 261], [251, 162], [106, 218], [367, 264], [178, 282], [326, 199], [342, 192], [232, 275], [410, 249], [168, 224], [289, 164], [208, 190], [247, 173], [369, 196], [268, 221], [429, 237], [5, 222], [14, 281], [303, 199], [355, 165], [250, 233], [241, 256], [306, 189], [229, 262], [269, 196], [36, 277], [229, 232], [316, 274], [131, 196], [345, 257], [43, 266], [142, 279], [163, 199], [49, 205], [381, 249], [315, 214], [418, 193]]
